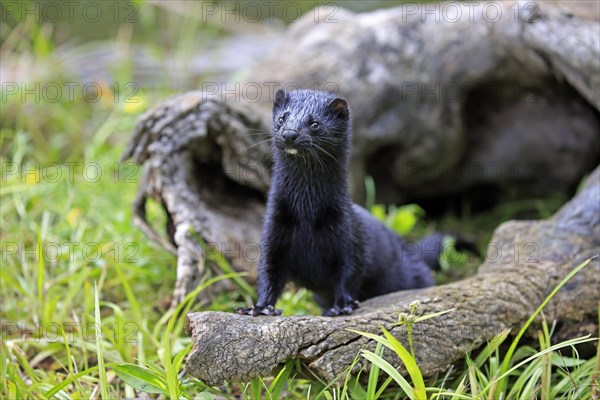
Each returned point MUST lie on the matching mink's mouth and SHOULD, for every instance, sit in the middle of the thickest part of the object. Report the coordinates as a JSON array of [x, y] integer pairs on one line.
[[291, 149]]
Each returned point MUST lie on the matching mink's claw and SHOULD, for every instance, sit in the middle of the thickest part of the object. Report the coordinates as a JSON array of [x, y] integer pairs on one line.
[[346, 310], [257, 310]]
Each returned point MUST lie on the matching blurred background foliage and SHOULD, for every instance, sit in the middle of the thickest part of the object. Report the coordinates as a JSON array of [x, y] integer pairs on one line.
[[134, 53]]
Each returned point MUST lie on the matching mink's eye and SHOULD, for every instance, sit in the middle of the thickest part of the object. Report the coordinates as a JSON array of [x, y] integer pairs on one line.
[[280, 121], [314, 126]]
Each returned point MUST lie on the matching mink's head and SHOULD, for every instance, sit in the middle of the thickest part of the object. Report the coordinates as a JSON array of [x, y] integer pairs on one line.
[[309, 123]]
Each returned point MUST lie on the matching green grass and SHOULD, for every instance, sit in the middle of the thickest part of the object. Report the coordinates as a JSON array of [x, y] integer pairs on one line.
[[507, 376], [85, 296]]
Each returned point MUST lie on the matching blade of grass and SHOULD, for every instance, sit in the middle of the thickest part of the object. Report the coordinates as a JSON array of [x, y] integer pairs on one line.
[[458, 392], [544, 340], [327, 386], [172, 379], [567, 343], [141, 354], [140, 378], [75, 285], [391, 371], [50, 393], [354, 388], [374, 375], [458, 396], [40, 275], [596, 374], [70, 365], [255, 387], [484, 354], [508, 357], [491, 347], [527, 379], [131, 298], [409, 363], [99, 345], [383, 386], [178, 359], [23, 361], [433, 315], [280, 380]]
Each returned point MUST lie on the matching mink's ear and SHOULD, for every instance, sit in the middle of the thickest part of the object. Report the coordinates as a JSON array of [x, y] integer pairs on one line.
[[281, 98], [339, 108]]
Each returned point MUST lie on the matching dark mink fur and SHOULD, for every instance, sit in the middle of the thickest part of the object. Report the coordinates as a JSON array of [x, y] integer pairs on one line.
[[313, 233]]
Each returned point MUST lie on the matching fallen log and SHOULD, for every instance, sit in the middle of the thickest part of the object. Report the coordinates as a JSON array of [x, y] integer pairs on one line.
[[528, 261], [525, 118]]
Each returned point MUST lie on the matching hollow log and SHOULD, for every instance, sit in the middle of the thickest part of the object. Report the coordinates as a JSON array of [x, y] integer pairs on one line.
[[440, 107], [531, 258]]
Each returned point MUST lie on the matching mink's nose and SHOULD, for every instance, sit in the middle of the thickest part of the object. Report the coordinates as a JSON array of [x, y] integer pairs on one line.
[[289, 136]]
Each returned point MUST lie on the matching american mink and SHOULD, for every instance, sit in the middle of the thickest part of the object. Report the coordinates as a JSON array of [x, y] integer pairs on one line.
[[313, 233]]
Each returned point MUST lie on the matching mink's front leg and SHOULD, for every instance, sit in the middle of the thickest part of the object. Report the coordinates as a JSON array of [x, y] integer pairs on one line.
[[345, 292], [270, 286], [345, 303]]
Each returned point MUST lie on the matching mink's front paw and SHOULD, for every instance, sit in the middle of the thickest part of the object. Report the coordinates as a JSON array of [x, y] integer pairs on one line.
[[345, 310], [257, 310]]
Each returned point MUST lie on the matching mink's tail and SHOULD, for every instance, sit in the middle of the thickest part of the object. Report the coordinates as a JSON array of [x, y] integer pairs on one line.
[[432, 246]]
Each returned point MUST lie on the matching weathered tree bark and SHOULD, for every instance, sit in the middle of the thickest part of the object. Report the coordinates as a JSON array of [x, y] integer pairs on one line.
[[440, 106], [531, 258]]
